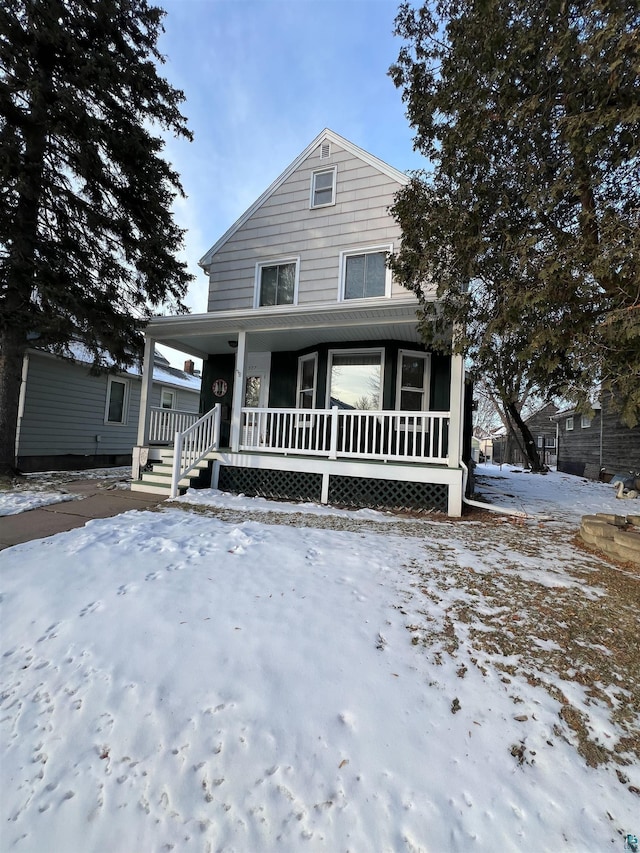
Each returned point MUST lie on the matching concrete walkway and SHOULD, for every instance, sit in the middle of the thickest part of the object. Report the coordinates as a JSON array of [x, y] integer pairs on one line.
[[99, 499]]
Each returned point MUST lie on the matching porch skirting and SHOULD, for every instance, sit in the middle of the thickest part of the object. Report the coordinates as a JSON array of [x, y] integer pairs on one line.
[[353, 484]]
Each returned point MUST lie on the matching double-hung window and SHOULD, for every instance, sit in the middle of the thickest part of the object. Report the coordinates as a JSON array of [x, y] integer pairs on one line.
[[323, 187], [307, 373], [117, 401], [364, 274], [277, 283], [412, 393], [167, 398]]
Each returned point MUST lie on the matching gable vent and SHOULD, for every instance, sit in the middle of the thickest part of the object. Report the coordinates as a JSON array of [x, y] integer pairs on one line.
[[325, 150]]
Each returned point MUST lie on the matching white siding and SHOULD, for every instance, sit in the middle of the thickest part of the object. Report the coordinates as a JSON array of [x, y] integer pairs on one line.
[[285, 226]]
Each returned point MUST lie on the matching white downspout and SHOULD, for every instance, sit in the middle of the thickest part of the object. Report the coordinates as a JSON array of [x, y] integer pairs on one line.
[[502, 510]]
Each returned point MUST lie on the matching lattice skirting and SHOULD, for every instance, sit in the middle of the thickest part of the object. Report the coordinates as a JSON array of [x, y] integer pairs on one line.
[[360, 492], [352, 492], [266, 483]]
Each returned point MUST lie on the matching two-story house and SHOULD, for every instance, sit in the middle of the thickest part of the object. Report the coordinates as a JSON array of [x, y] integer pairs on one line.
[[315, 382]]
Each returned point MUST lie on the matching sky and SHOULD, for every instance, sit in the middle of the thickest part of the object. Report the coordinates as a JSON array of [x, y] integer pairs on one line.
[[262, 78], [177, 680]]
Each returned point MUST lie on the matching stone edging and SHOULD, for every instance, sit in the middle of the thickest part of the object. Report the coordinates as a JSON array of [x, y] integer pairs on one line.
[[616, 535]]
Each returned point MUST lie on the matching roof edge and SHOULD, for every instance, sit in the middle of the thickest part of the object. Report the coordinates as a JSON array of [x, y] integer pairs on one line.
[[326, 134]]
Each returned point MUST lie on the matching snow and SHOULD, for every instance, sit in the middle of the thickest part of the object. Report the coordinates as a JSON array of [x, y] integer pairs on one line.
[[174, 681], [46, 488]]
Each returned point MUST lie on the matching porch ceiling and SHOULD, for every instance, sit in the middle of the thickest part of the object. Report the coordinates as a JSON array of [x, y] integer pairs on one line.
[[290, 328]]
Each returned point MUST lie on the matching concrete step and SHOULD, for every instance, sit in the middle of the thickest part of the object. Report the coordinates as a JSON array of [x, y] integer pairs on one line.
[[150, 488]]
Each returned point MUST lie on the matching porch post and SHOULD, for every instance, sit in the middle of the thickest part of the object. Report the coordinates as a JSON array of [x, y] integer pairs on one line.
[[455, 406], [238, 390], [145, 405]]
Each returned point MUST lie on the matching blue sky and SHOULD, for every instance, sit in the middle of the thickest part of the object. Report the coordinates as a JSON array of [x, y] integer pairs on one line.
[[262, 78]]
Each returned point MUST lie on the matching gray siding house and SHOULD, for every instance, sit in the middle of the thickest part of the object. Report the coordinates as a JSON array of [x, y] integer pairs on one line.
[[316, 385], [597, 446], [70, 418]]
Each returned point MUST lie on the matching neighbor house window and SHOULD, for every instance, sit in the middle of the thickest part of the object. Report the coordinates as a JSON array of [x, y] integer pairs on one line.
[[412, 393], [277, 283], [167, 398], [307, 373], [569, 424], [323, 187], [117, 401], [355, 379], [585, 421], [550, 441], [540, 442], [364, 274]]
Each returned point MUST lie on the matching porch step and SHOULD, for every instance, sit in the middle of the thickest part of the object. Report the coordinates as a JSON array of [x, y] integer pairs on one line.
[[158, 480]]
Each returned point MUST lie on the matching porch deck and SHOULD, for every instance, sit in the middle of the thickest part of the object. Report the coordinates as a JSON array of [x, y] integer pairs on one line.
[[387, 459]]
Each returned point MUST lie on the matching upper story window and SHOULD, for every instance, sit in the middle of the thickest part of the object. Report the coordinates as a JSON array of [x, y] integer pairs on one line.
[[585, 421], [117, 401], [323, 187], [277, 283], [364, 273], [569, 424]]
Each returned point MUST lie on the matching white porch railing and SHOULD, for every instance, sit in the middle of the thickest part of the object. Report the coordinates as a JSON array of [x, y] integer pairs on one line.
[[348, 433], [192, 445], [165, 423]]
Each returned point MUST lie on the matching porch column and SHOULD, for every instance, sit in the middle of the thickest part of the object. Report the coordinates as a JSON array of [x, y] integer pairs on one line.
[[455, 405], [238, 391], [145, 392]]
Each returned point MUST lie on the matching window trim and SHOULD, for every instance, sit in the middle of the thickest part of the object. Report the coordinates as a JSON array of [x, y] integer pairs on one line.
[[426, 378], [364, 250], [125, 400], [165, 390], [312, 356], [323, 171], [350, 351], [276, 262], [569, 424]]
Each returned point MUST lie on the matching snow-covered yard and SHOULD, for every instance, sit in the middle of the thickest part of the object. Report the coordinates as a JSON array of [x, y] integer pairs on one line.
[[228, 674]]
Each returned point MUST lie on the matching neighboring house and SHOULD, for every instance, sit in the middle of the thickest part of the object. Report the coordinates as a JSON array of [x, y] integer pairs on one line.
[[543, 429], [312, 352], [597, 446], [71, 418]]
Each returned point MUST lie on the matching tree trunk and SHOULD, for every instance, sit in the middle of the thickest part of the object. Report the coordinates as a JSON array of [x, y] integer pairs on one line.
[[529, 445], [12, 351]]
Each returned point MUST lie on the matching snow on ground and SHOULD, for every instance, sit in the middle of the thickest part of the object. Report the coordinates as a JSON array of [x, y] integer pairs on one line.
[[172, 681], [14, 502], [554, 494], [46, 488]]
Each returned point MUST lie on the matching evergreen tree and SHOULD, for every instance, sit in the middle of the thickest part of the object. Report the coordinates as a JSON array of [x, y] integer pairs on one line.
[[87, 238], [528, 220]]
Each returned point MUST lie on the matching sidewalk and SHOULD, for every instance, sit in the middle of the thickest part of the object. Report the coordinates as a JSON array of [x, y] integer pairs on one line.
[[97, 501]]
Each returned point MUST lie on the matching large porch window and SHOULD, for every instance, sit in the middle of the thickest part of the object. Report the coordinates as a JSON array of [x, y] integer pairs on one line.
[[355, 379]]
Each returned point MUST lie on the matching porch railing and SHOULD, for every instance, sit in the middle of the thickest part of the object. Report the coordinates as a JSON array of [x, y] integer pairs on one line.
[[192, 445], [165, 423], [348, 433]]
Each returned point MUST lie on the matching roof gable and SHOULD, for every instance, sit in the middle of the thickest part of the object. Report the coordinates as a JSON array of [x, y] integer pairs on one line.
[[326, 136]]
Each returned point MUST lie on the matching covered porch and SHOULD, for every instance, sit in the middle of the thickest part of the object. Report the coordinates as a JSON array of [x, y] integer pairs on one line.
[[280, 417]]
